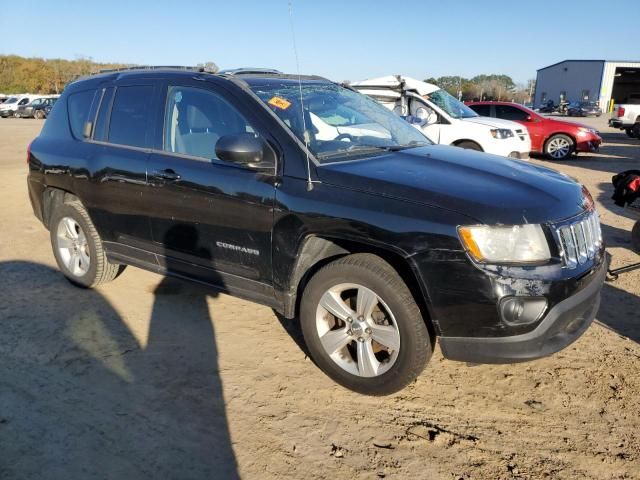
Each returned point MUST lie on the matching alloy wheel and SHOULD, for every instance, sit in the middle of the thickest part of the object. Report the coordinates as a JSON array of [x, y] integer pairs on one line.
[[73, 247], [559, 148], [357, 330]]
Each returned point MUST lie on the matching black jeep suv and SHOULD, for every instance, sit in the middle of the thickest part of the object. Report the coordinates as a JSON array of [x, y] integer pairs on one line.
[[306, 196]]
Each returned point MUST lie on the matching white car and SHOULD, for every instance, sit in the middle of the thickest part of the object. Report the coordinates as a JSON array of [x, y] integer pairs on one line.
[[10, 106], [446, 120]]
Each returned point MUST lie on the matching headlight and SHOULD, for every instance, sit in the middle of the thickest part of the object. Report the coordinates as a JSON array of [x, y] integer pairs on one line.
[[501, 133], [585, 131], [505, 244]]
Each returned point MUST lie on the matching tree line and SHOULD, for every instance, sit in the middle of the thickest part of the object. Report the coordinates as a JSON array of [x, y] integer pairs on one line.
[[46, 76], [485, 87]]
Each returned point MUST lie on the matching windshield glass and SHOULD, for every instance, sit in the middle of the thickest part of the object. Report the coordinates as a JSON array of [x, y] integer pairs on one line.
[[450, 104], [337, 121]]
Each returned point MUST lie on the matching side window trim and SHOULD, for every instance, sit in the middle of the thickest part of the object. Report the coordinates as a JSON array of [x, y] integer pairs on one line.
[[107, 113]]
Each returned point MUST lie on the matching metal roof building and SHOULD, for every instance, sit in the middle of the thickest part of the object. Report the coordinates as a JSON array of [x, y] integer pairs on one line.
[[603, 81]]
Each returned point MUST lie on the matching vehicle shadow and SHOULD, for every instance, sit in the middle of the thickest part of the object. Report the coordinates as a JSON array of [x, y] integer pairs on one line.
[[618, 152], [294, 329], [619, 312], [82, 396]]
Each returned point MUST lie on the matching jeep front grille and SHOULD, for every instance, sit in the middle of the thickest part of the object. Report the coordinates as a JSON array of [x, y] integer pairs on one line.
[[580, 240]]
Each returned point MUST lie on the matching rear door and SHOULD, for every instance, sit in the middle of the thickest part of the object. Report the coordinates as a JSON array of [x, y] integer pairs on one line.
[[122, 135], [211, 219]]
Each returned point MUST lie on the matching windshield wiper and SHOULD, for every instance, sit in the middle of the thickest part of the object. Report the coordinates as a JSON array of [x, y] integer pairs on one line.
[[358, 149]]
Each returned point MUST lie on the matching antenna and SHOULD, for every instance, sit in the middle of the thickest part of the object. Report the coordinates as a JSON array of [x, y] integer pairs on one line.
[[304, 122]]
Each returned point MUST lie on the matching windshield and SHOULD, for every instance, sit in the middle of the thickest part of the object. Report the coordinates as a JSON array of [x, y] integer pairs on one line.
[[337, 122], [450, 104]]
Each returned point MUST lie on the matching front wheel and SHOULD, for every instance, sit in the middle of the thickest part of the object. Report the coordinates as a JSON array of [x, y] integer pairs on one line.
[[469, 146], [635, 236], [363, 327], [78, 249], [559, 147], [38, 115]]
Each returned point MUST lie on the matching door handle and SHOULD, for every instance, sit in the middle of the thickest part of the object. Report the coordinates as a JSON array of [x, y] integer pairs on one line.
[[166, 174]]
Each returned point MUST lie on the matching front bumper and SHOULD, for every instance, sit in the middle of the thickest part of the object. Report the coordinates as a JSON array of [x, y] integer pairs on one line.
[[588, 143], [562, 325], [618, 123]]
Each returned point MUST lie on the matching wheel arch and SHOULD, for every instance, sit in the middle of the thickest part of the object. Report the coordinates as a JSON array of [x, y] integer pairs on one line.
[[455, 143], [51, 197], [317, 251]]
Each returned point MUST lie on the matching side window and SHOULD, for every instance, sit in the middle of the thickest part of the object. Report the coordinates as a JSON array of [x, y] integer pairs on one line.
[[510, 113], [79, 108], [131, 115], [104, 108], [195, 119], [482, 110]]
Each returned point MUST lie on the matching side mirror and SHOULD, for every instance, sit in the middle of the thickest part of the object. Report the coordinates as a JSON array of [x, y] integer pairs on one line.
[[245, 149]]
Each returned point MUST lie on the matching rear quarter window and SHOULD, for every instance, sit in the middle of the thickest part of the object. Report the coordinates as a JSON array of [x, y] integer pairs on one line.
[[79, 107]]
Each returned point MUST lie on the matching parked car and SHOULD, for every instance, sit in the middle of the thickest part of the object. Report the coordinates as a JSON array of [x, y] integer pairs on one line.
[[36, 108], [626, 117], [10, 107], [547, 107], [557, 139], [444, 119], [378, 244], [584, 109]]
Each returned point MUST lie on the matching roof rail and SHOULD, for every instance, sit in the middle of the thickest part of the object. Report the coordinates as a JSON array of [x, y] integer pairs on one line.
[[152, 67], [239, 71]]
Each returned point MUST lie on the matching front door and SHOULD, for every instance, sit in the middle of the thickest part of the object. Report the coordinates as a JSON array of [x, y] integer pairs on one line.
[[211, 219]]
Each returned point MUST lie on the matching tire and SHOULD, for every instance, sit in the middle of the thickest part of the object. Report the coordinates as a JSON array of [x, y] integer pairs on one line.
[[392, 312], [635, 236], [636, 130], [38, 115], [469, 146], [80, 255], [559, 147], [16, 115], [629, 131]]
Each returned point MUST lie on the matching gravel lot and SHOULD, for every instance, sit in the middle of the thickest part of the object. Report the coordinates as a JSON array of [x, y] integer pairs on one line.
[[155, 378]]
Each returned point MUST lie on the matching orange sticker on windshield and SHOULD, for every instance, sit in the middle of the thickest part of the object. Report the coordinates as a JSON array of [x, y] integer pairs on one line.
[[279, 102]]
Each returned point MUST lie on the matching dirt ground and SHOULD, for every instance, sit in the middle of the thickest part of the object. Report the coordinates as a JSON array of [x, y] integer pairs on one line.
[[154, 378]]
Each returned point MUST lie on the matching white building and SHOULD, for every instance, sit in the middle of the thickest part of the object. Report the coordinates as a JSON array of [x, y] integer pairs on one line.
[[595, 80]]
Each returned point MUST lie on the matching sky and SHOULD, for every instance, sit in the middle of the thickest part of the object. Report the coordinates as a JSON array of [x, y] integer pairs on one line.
[[341, 40]]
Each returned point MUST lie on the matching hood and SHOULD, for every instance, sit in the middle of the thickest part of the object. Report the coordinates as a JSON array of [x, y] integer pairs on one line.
[[494, 122], [488, 188]]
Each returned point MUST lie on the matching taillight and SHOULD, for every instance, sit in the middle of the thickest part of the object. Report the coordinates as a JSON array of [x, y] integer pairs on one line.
[[621, 111], [29, 151]]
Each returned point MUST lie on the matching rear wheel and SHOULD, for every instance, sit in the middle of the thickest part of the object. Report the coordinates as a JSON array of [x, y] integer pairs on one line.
[[363, 327], [78, 249], [469, 146], [559, 147], [636, 130], [629, 131], [635, 237]]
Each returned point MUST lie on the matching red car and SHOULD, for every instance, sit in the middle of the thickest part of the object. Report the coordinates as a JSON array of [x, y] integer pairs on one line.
[[555, 138]]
